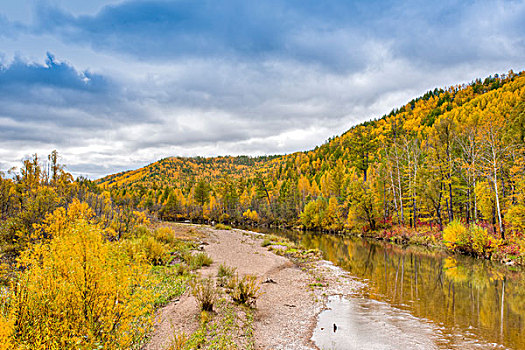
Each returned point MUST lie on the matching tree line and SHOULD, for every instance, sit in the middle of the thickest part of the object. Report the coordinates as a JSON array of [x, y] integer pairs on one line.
[[453, 153]]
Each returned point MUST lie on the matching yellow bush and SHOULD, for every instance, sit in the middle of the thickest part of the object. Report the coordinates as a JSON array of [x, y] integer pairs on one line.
[[155, 252], [166, 235], [480, 240], [223, 227], [473, 239], [251, 215], [205, 292], [79, 291], [196, 261], [58, 222], [454, 234], [516, 217], [244, 290], [141, 218], [6, 331]]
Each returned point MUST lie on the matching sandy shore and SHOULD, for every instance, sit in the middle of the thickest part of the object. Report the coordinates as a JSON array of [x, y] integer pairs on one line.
[[286, 312]]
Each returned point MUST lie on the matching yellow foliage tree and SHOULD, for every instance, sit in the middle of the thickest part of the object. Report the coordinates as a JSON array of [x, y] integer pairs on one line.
[[77, 290], [251, 215], [332, 217]]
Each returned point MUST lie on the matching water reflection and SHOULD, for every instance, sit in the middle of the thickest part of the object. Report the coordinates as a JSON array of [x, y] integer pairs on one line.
[[361, 323], [456, 293]]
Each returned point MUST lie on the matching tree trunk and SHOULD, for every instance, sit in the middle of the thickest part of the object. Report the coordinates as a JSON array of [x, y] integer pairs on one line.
[[400, 190], [395, 197], [414, 193], [475, 204], [502, 232], [365, 167], [468, 204], [450, 209]]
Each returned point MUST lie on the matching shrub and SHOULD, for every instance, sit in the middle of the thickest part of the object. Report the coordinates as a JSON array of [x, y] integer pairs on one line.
[[156, 252], [244, 290], [6, 331], [273, 239], [79, 290], [454, 235], [224, 274], [181, 269], [179, 341], [196, 261], [480, 240], [223, 227], [165, 235], [472, 240], [266, 242], [205, 292], [225, 271], [251, 216], [515, 217], [140, 231], [224, 217]]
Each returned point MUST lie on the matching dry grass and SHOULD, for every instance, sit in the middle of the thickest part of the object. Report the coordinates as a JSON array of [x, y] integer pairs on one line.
[[244, 290], [183, 232], [205, 292]]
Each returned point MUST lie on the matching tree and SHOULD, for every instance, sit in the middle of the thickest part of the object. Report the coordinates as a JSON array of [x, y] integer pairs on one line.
[[202, 192], [493, 156], [313, 214], [470, 157], [56, 168], [171, 209], [361, 143], [363, 208], [228, 195], [444, 137]]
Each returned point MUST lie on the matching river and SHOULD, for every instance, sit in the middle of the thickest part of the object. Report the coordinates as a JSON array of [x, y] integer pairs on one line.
[[418, 298]]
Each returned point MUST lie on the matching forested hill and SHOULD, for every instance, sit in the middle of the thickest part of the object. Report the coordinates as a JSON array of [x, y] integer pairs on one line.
[[454, 153], [182, 172]]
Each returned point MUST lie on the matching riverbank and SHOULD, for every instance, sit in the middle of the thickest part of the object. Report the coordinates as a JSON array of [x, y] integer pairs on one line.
[[294, 287], [475, 240], [457, 238], [471, 240]]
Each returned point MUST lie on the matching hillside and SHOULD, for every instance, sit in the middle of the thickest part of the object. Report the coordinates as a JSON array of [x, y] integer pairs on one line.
[[454, 153], [181, 171]]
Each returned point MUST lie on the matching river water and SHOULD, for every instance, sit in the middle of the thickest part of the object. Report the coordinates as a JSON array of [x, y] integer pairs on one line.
[[418, 298]]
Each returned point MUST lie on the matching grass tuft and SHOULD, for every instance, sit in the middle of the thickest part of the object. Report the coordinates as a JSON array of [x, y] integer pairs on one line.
[[205, 292], [244, 290]]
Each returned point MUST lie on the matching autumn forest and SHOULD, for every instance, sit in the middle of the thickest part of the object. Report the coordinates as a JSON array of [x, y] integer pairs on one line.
[[452, 156], [83, 263]]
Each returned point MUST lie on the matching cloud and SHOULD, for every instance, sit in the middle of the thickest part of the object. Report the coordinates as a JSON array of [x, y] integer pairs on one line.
[[201, 108], [9, 28], [55, 92], [305, 31], [337, 35], [53, 73], [178, 27], [140, 80]]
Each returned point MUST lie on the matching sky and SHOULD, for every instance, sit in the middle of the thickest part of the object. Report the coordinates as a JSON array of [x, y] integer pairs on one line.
[[117, 84]]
